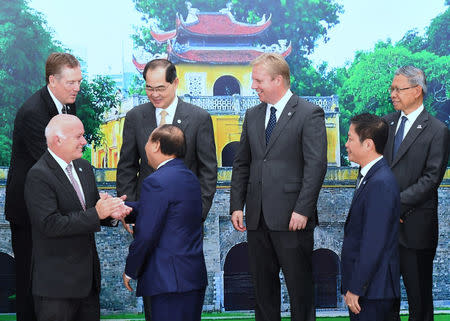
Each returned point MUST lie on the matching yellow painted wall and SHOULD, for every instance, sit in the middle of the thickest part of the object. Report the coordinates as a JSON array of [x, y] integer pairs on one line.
[[108, 153]]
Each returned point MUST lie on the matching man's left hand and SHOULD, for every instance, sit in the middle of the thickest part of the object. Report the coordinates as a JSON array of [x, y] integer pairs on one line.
[[352, 302], [298, 222], [126, 282]]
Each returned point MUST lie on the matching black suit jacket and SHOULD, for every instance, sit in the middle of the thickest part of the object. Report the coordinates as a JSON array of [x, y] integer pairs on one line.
[[28, 146], [287, 174], [200, 157], [419, 167], [65, 263]]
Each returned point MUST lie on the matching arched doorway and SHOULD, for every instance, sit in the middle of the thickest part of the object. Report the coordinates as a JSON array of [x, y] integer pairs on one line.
[[228, 153], [238, 284], [7, 284], [326, 272], [226, 86]]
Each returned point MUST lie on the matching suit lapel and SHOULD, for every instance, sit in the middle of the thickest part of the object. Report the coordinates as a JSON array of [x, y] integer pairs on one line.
[[286, 115], [62, 177], [260, 123], [181, 117], [149, 119], [416, 129], [52, 110], [390, 142], [82, 172]]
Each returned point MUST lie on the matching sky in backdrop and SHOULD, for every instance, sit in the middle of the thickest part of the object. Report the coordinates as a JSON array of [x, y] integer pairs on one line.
[[99, 31]]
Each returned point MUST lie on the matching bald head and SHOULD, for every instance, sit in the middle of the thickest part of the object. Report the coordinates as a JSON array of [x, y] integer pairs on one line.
[[64, 134]]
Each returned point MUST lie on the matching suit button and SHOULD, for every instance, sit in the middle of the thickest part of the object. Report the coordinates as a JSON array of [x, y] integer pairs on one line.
[[264, 160]]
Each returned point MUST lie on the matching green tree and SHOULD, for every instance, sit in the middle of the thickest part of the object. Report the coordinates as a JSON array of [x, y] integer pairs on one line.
[[302, 22], [25, 44], [364, 85], [438, 34], [96, 98]]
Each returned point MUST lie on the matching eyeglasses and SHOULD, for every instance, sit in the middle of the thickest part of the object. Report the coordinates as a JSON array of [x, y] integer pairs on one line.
[[397, 90], [159, 89]]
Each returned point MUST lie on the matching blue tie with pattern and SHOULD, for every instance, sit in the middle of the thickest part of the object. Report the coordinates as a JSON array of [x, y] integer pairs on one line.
[[271, 124], [399, 136]]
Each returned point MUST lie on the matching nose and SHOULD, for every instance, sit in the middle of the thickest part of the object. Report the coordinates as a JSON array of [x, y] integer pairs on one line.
[[253, 85], [83, 140]]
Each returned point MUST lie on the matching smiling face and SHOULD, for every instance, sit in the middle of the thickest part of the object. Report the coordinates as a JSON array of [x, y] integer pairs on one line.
[[66, 85], [270, 89], [72, 142], [160, 92], [405, 97]]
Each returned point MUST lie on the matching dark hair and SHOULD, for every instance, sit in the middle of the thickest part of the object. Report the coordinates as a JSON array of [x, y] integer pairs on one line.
[[171, 71], [56, 61], [171, 140], [369, 126]]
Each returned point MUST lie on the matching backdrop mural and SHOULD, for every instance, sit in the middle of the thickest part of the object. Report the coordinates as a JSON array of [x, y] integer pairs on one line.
[[342, 56]]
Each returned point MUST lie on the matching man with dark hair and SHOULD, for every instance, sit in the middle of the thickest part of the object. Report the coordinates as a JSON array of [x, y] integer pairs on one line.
[[417, 151], [63, 77], [369, 258], [278, 171], [166, 108], [166, 256]]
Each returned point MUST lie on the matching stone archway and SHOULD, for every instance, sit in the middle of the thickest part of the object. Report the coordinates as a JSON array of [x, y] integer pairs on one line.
[[226, 86], [326, 273], [238, 284], [228, 153], [7, 283]]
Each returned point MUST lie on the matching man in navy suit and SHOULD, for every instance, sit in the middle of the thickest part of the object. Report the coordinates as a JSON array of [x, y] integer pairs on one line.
[[370, 261], [166, 256]]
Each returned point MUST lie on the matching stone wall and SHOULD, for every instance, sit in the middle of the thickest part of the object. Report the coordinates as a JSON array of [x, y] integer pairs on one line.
[[220, 237]]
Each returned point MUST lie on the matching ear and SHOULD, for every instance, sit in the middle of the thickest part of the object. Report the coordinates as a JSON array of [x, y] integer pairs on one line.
[[51, 80], [156, 147], [175, 82], [369, 144]]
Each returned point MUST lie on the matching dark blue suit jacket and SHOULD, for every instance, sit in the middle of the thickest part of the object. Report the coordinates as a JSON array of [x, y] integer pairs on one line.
[[370, 261], [167, 253]]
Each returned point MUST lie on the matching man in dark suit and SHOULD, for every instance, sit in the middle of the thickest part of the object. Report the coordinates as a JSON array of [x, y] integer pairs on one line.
[[165, 107], [166, 255], [65, 210], [417, 152], [277, 174], [370, 267], [63, 77]]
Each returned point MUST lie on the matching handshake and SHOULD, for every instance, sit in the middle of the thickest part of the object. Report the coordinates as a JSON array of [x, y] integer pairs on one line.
[[114, 207]]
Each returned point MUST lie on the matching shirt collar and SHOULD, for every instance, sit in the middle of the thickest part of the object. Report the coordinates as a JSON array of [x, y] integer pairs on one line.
[[413, 115], [284, 100], [165, 162], [58, 104], [368, 166], [170, 109], [62, 163]]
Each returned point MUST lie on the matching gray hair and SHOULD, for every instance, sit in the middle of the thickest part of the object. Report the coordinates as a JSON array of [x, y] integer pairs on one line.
[[415, 76]]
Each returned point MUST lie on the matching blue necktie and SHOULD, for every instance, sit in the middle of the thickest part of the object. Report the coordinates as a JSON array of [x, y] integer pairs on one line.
[[399, 136], [271, 124]]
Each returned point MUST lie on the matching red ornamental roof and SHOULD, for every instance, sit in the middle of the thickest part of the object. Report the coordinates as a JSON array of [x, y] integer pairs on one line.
[[218, 24], [237, 56], [164, 36], [138, 65]]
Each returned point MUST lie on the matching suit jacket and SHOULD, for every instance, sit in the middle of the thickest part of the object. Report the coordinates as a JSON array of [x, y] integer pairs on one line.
[[370, 261], [28, 146], [287, 174], [167, 252], [419, 167], [200, 157], [65, 263]]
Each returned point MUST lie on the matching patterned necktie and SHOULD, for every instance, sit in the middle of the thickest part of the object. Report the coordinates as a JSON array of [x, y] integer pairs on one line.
[[163, 117], [358, 181], [399, 136], [64, 109], [271, 124], [75, 186]]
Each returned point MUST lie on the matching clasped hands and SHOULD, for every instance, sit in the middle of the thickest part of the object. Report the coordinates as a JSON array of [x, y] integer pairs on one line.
[[114, 207]]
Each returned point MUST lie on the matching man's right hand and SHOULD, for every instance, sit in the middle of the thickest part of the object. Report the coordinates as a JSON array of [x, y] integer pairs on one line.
[[237, 218], [110, 206]]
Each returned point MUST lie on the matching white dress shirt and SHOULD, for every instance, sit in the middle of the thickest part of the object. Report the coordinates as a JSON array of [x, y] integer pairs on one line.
[[366, 169], [62, 163], [279, 106], [411, 119], [170, 112]]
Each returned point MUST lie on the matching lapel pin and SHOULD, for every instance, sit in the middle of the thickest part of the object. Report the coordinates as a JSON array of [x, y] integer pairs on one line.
[[289, 114], [419, 127], [392, 123], [179, 121], [80, 169]]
